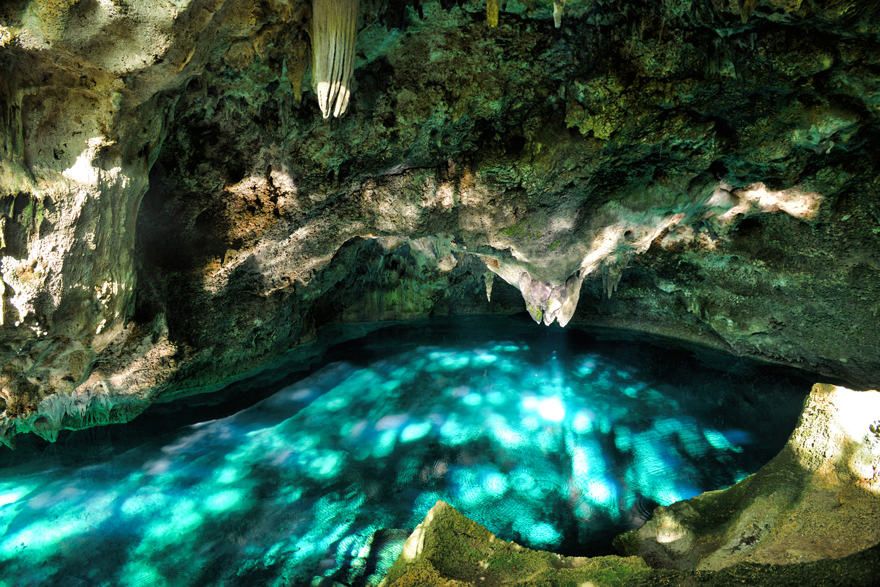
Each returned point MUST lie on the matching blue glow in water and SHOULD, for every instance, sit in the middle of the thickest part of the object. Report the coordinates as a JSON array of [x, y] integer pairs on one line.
[[555, 439]]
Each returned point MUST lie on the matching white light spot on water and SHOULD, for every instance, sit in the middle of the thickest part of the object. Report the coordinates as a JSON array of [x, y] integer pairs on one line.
[[385, 444], [228, 475], [718, 441], [414, 432], [495, 484], [599, 491], [582, 423], [223, 501], [11, 494], [472, 399], [550, 409], [543, 534]]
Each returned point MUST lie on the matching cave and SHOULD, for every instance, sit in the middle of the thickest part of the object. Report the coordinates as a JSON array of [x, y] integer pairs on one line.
[[357, 292]]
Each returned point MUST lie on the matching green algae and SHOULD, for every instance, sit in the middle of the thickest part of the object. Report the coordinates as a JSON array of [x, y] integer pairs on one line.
[[450, 549]]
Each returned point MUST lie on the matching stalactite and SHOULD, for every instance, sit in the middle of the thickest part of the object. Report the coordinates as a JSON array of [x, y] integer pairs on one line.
[[611, 275], [334, 34], [558, 8], [298, 58], [493, 7]]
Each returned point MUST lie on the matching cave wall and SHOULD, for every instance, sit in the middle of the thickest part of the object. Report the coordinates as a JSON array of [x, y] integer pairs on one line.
[[176, 210]]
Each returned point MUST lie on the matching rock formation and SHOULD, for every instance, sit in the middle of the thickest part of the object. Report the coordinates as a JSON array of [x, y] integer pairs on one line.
[[334, 31], [450, 550]]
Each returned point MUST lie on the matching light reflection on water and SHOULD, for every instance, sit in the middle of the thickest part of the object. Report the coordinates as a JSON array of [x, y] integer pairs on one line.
[[553, 439]]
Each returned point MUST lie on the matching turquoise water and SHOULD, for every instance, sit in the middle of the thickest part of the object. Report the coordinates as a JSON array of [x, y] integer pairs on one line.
[[556, 439]]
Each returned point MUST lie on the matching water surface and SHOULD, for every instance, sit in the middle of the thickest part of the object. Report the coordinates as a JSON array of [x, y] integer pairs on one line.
[[556, 439]]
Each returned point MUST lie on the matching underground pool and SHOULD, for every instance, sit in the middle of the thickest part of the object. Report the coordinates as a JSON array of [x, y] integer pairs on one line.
[[558, 439]]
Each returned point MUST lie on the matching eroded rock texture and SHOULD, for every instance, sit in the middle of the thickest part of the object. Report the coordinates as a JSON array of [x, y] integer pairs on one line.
[[177, 210]]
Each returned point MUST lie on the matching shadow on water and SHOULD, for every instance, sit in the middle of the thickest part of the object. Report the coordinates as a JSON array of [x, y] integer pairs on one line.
[[558, 439]]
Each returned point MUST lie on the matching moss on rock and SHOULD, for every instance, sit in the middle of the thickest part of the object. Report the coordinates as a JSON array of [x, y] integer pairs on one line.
[[447, 549]]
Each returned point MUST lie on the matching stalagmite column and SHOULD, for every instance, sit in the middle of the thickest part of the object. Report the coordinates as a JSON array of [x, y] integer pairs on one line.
[[334, 34]]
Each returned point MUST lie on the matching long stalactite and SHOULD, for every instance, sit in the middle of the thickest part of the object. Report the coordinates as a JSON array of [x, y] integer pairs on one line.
[[334, 35]]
